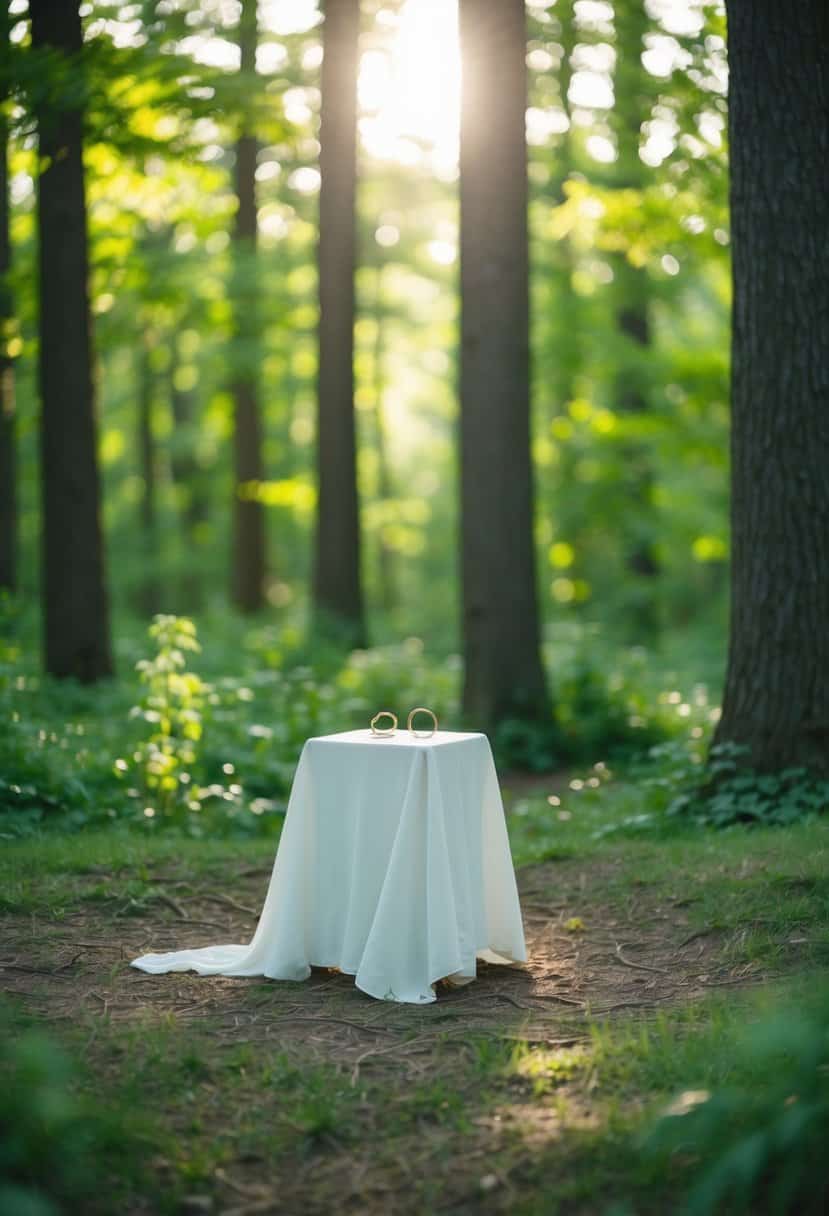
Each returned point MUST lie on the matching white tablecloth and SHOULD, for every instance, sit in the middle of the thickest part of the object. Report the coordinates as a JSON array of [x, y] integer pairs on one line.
[[393, 866]]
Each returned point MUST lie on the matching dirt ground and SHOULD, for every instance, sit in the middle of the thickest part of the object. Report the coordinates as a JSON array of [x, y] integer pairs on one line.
[[638, 955], [636, 952]]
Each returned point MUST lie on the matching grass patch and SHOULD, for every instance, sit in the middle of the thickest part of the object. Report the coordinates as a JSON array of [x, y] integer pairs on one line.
[[193, 1094], [504, 1124]]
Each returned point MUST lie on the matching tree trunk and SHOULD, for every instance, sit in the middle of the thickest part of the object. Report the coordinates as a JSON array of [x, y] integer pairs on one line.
[[149, 594], [338, 598], [504, 675], [777, 684], [188, 477], [564, 336], [569, 356], [248, 556], [631, 290], [385, 554], [8, 446], [76, 614]]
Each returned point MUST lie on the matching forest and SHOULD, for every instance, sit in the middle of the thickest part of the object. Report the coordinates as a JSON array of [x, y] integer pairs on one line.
[[362, 355]]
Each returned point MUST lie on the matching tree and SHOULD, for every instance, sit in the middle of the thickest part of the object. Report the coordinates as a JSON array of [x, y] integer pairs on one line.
[[76, 615], [338, 598], [777, 684], [631, 292], [8, 454], [504, 675], [189, 476], [384, 489], [149, 596], [248, 557]]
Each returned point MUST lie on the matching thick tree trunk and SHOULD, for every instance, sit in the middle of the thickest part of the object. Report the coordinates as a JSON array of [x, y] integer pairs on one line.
[[631, 291], [504, 675], [248, 556], [338, 598], [76, 616], [777, 685], [8, 448]]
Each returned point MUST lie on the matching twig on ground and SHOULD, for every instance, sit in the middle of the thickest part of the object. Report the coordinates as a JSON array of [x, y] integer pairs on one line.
[[562, 1000], [207, 924], [379, 1051], [232, 903], [638, 966], [692, 937], [164, 898], [54, 971], [339, 1021]]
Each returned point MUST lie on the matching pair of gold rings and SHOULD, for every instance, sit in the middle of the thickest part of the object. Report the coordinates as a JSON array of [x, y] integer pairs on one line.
[[385, 732]]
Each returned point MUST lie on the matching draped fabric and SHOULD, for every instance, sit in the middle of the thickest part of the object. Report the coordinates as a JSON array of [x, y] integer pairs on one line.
[[393, 866]]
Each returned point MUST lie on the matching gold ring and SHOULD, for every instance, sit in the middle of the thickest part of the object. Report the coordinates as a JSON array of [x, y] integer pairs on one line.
[[422, 734], [384, 732]]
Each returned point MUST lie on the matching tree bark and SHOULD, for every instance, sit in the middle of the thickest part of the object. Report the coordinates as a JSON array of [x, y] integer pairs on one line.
[[8, 444], [338, 597], [76, 613], [631, 289], [777, 685], [149, 594], [504, 677], [248, 555]]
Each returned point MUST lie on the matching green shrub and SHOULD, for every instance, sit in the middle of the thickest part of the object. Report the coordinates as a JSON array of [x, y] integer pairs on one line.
[[726, 792], [172, 707], [759, 1147], [219, 757]]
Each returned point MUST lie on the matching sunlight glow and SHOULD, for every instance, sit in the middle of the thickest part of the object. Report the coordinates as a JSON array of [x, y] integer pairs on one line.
[[409, 87]]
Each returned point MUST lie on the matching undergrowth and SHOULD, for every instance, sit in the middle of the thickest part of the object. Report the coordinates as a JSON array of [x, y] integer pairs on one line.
[[177, 739]]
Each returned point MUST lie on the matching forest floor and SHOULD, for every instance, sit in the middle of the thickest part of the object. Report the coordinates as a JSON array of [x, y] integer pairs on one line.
[[520, 1093]]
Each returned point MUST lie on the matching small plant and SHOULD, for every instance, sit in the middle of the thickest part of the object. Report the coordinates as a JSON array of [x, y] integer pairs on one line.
[[726, 792], [172, 707]]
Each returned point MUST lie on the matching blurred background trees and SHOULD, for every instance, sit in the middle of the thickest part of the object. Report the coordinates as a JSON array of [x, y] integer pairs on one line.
[[205, 182]]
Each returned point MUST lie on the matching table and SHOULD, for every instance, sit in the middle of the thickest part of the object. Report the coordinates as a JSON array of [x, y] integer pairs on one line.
[[393, 866]]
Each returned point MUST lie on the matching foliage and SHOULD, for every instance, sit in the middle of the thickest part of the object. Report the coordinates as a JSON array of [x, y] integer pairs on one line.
[[164, 101], [172, 707], [679, 782], [730, 793], [759, 1146], [216, 752], [50, 1139]]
